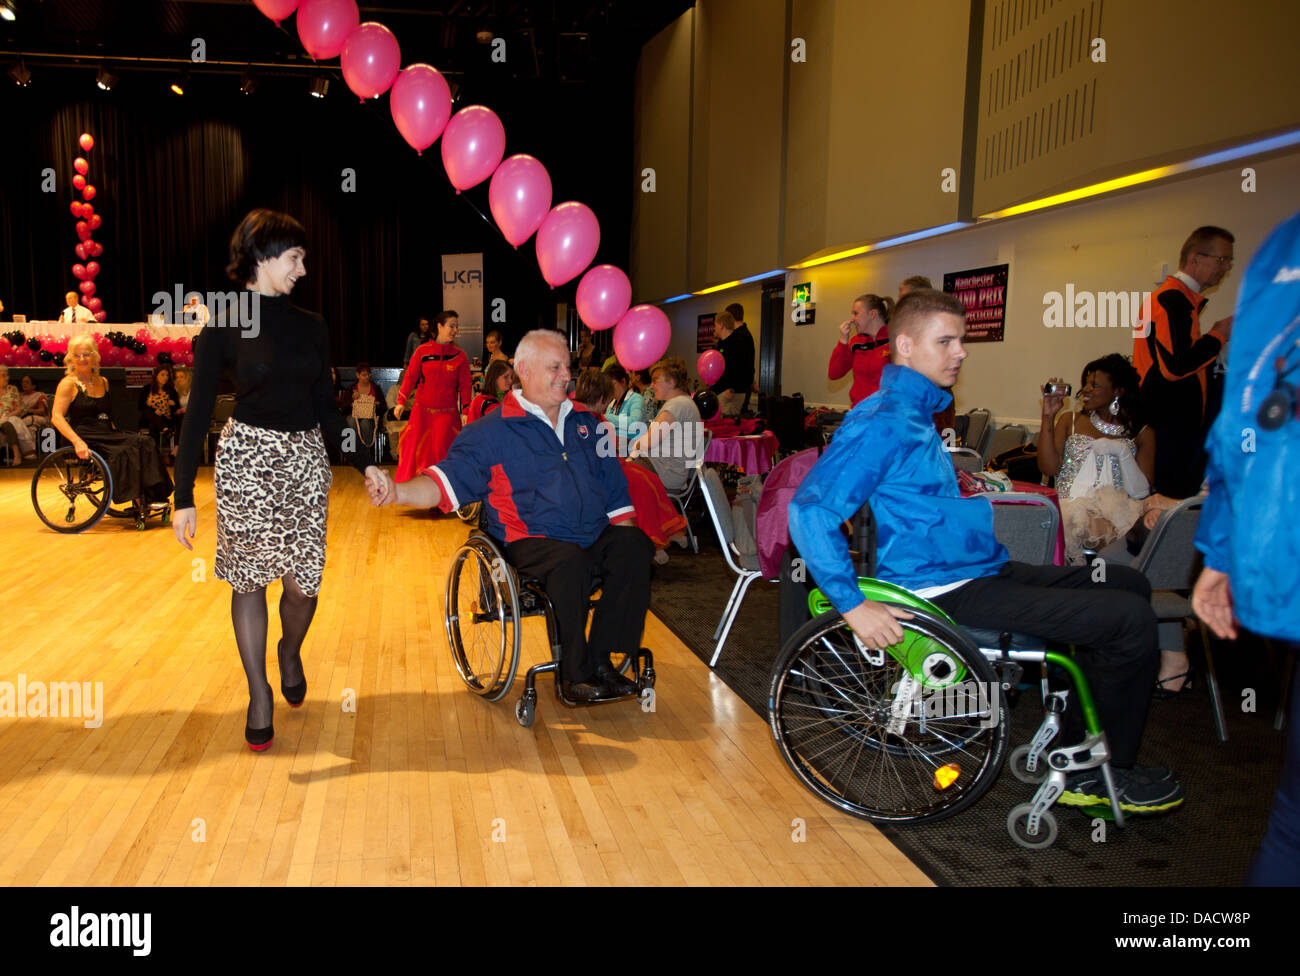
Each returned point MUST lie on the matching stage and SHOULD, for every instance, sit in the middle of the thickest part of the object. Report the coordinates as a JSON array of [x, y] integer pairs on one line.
[[392, 773]]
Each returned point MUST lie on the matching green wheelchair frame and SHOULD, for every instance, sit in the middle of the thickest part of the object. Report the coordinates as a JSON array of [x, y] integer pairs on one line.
[[855, 725]]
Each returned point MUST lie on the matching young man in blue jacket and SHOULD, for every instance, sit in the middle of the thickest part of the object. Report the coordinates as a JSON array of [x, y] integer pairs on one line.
[[557, 498], [1248, 529], [941, 546]]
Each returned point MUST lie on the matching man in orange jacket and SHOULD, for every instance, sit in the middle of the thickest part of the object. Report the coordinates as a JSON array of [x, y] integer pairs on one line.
[[1174, 360]]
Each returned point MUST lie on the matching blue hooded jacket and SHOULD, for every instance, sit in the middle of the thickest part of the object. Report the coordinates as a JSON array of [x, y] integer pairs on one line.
[[1250, 525], [887, 452]]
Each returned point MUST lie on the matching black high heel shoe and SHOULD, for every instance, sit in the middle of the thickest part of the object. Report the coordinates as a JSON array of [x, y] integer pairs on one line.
[[293, 694], [1161, 693], [260, 740]]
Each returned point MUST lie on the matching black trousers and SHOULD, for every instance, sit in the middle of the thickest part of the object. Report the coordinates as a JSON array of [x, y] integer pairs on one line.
[[1278, 860], [1180, 458], [1110, 622], [621, 558]]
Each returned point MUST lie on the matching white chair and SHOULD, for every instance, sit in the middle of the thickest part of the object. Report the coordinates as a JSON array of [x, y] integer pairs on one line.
[[682, 496], [744, 565]]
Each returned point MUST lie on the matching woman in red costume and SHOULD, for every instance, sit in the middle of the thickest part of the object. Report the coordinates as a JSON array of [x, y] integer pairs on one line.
[[438, 374], [865, 351]]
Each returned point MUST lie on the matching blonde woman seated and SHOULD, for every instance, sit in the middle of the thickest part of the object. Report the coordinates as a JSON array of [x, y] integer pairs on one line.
[[1102, 458], [674, 443], [15, 433]]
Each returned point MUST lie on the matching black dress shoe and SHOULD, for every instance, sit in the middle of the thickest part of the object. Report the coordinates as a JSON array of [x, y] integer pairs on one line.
[[615, 683], [582, 691]]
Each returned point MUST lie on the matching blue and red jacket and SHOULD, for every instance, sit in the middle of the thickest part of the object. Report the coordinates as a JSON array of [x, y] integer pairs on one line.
[[534, 486]]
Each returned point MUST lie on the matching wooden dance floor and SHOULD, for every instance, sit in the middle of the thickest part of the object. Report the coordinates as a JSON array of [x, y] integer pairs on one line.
[[392, 773]]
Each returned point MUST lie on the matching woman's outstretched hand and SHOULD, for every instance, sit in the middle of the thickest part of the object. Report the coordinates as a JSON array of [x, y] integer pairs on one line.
[[184, 524], [380, 487]]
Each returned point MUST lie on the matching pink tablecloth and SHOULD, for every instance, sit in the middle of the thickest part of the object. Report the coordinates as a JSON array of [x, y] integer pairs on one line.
[[752, 454]]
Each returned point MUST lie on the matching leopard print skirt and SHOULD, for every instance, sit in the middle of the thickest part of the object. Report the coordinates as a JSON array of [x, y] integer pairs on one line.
[[272, 492]]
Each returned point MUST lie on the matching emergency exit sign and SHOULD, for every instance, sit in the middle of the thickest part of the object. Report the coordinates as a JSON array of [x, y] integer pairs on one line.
[[804, 312]]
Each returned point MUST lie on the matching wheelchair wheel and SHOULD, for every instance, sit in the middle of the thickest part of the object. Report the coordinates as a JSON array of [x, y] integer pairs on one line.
[[1018, 828], [470, 513], [861, 733], [482, 618], [69, 494]]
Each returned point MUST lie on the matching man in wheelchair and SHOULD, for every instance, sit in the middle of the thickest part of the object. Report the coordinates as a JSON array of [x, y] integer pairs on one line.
[[560, 505], [942, 547]]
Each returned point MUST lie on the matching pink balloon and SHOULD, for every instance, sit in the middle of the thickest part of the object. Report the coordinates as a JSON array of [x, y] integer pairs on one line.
[[277, 10], [604, 293], [324, 26], [87, 288], [371, 59], [95, 221], [83, 229], [711, 366], [94, 304], [472, 146], [79, 181], [101, 316], [566, 242], [421, 104], [641, 337], [92, 268], [87, 141], [520, 197], [81, 166], [79, 272], [88, 193]]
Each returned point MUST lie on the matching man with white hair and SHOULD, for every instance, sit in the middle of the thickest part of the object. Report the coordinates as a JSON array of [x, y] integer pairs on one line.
[[561, 507]]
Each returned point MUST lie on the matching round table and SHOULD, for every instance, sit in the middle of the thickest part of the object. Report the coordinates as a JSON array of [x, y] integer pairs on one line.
[[752, 453]]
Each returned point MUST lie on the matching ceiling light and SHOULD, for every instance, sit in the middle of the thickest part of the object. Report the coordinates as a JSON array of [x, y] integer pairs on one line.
[[178, 84], [21, 76], [105, 79], [247, 83], [7, 12], [320, 87]]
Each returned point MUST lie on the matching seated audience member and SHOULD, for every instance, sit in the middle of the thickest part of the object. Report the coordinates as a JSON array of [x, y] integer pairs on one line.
[[81, 414], [1103, 459], [14, 432], [33, 411], [674, 444], [559, 505], [656, 515], [863, 346], [492, 344], [913, 283], [498, 380], [586, 349], [365, 413], [941, 546], [640, 381], [627, 407], [159, 404]]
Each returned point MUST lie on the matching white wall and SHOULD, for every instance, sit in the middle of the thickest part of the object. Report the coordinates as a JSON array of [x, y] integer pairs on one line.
[[1118, 243]]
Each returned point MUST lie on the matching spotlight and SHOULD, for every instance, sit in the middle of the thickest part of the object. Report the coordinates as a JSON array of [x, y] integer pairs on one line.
[[178, 84], [105, 79], [7, 11], [320, 87], [247, 83], [21, 76]]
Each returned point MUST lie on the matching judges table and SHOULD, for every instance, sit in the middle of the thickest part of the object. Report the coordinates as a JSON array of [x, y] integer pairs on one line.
[[70, 329]]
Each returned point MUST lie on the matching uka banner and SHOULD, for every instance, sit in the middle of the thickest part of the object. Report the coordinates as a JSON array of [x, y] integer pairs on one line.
[[462, 290]]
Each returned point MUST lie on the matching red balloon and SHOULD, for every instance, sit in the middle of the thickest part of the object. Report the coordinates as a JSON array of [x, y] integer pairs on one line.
[[101, 316], [87, 141], [79, 181], [87, 288], [92, 268], [81, 166], [566, 242], [98, 249], [324, 26], [94, 304], [81, 251], [520, 197], [421, 104], [88, 193], [95, 221], [472, 146], [277, 10], [371, 59], [79, 272], [604, 293], [75, 207], [83, 229]]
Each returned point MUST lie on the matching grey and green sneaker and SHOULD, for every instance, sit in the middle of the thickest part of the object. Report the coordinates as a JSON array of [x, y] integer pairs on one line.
[[1141, 789]]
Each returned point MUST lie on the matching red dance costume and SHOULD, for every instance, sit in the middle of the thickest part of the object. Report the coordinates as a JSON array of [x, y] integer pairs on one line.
[[866, 356], [439, 375], [656, 515]]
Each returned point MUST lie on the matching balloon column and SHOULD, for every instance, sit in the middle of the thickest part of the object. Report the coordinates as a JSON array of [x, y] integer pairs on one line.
[[88, 222], [473, 144], [115, 349]]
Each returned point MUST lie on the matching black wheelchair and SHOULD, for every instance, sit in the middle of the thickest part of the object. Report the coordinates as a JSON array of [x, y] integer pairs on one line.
[[487, 602], [71, 494]]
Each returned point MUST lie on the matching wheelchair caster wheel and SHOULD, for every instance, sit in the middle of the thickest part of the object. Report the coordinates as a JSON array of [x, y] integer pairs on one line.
[[139, 523], [1017, 822], [1021, 772], [525, 712], [648, 678]]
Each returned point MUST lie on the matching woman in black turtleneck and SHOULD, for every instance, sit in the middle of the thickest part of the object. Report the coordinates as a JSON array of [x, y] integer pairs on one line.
[[272, 476]]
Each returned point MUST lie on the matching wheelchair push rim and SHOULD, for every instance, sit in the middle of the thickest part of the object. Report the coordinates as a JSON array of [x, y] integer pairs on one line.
[[71, 494], [862, 733], [482, 619]]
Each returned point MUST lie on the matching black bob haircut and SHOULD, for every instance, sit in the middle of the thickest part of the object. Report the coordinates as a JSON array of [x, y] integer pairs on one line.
[[260, 235]]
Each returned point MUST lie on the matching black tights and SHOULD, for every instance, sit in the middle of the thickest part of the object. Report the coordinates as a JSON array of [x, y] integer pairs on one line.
[[248, 613]]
